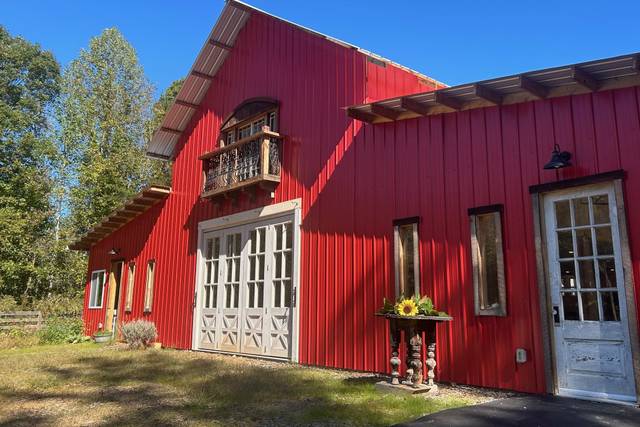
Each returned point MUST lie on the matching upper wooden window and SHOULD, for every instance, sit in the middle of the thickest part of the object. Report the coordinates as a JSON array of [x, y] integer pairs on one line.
[[488, 261], [96, 290], [248, 119], [407, 257], [148, 292]]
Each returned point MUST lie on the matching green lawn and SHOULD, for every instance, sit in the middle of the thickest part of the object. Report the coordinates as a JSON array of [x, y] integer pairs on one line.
[[88, 384]]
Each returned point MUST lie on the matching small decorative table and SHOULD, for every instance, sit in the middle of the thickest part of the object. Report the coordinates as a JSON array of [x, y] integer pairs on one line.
[[413, 328]]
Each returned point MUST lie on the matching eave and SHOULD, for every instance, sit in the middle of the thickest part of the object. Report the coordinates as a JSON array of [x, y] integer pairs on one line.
[[130, 210], [610, 73]]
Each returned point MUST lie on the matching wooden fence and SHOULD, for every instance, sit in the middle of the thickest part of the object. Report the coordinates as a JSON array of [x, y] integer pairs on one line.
[[21, 320]]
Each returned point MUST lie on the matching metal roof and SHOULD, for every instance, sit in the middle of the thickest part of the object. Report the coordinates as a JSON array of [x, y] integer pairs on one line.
[[216, 48], [609, 73], [131, 209]]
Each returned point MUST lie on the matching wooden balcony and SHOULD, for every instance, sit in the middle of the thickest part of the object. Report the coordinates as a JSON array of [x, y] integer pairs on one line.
[[251, 161]]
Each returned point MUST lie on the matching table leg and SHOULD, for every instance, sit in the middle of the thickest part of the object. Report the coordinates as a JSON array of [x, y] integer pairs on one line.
[[431, 357], [394, 338]]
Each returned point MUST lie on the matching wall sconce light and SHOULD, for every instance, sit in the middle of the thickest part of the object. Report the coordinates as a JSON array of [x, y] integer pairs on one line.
[[114, 251], [559, 159]]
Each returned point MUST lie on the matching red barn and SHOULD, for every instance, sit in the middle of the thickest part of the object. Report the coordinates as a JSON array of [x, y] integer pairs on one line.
[[311, 179]]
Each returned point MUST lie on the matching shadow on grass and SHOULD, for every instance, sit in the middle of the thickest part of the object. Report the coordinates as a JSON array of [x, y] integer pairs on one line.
[[161, 388]]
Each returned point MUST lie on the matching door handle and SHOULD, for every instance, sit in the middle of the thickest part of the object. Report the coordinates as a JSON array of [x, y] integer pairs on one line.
[[556, 314]]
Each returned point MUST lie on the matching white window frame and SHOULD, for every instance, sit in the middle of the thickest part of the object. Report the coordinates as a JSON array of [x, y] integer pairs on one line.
[[414, 221], [131, 275], [501, 308], [92, 290], [149, 284]]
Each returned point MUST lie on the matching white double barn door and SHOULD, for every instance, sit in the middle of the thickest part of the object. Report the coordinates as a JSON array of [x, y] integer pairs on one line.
[[246, 290]]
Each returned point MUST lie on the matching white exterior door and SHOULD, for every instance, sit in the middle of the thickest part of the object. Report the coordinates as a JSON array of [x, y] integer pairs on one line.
[[591, 333], [246, 292]]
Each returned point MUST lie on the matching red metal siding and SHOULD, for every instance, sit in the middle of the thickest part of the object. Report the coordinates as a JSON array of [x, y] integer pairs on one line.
[[354, 180]]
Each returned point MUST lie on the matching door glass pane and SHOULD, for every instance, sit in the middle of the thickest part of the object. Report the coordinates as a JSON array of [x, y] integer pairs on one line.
[[581, 211], [565, 244], [563, 214], [568, 274], [289, 235], [604, 241], [278, 264], [570, 305], [590, 305], [587, 274], [276, 293], [278, 237], [607, 269], [287, 293], [261, 232], [209, 251], [610, 306], [583, 242], [600, 209]]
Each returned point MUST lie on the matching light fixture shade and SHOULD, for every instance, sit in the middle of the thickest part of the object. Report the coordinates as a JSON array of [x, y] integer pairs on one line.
[[559, 159], [114, 251]]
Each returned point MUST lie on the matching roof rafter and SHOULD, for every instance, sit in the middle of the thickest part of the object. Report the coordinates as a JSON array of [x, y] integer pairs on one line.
[[415, 106], [584, 79], [448, 100], [534, 88], [186, 104], [384, 111], [363, 116], [170, 130], [487, 94], [219, 44], [201, 75]]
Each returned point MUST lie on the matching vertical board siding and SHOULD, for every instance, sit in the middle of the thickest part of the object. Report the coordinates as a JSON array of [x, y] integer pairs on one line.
[[354, 179]]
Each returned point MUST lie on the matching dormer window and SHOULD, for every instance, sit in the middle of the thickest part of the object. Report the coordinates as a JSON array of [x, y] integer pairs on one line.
[[248, 151]]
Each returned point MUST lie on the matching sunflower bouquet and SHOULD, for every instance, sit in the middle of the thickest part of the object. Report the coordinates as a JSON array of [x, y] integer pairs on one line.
[[411, 307]]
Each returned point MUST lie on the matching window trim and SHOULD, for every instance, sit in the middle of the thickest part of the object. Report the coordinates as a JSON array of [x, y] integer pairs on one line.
[[501, 309], [131, 274], [149, 285], [104, 282], [414, 221]]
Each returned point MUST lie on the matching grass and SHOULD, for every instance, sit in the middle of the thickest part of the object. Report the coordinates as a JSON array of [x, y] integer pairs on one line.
[[89, 384]]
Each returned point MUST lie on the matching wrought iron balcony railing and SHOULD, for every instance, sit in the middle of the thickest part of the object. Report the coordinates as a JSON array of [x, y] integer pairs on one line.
[[249, 161]]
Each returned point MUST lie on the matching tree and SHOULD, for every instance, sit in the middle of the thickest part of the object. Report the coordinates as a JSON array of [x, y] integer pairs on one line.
[[161, 170], [106, 101], [29, 84]]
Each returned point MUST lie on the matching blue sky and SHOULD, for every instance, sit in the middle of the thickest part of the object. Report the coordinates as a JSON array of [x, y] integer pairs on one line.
[[452, 41]]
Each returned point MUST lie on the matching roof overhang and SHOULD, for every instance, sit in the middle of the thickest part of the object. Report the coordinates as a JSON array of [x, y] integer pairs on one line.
[[603, 74], [133, 208], [216, 48]]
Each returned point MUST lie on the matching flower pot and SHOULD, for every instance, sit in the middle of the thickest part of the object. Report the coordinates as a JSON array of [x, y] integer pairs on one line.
[[102, 338]]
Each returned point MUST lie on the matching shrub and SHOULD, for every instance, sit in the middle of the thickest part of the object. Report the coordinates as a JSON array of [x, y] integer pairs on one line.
[[17, 338], [139, 333], [60, 306], [58, 330], [8, 303]]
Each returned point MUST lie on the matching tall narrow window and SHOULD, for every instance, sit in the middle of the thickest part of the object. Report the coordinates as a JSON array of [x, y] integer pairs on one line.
[[148, 292], [488, 261], [130, 281], [407, 257], [97, 288]]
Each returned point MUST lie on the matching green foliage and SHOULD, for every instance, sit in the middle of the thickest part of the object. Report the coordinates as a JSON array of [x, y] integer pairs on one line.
[[106, 101], [424, 305], [139, 333], [8, 303], [29, 84], [18, 338], [59, 330], [60, 306]]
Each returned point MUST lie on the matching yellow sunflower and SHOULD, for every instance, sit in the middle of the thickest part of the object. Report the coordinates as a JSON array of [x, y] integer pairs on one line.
[[407, 307]]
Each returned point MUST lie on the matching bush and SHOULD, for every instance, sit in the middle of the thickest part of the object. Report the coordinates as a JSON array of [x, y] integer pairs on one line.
[[60, 306], [8, 303], [17, 338], [58, 330], [139, 333]]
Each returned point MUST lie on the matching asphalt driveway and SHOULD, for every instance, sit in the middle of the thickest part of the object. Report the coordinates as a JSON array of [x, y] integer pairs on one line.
[[534, 411]]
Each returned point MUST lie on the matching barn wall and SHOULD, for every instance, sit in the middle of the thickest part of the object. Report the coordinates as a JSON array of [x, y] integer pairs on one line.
[[314, 79], [355, 179]]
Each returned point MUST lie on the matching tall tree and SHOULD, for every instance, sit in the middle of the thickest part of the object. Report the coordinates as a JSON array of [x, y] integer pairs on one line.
[[161, 170], [29, 84], [106, 101]]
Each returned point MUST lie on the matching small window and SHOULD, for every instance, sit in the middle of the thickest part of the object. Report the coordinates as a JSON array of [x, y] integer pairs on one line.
[[97, 288], [407, 257], [488, 261], [148, 291], [130, 281]]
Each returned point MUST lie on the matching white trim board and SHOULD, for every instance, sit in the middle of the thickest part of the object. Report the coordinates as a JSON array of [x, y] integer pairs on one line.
[[250, 216]]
